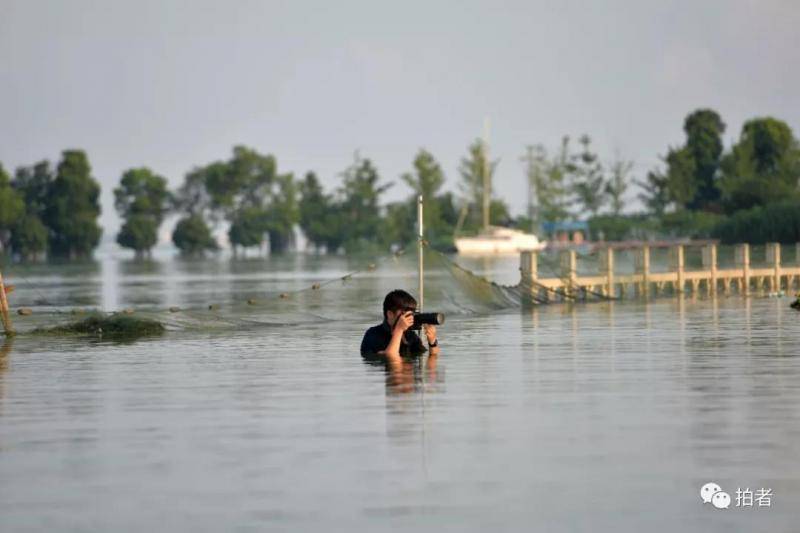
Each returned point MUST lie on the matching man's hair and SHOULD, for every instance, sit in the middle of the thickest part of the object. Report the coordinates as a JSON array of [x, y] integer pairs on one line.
[[397, 299]]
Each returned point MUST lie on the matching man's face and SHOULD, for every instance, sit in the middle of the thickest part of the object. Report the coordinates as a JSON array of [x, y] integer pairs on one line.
[[391, 316]]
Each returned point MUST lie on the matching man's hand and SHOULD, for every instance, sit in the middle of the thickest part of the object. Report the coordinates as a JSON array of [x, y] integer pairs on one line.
[[430, 332], [404, 321]]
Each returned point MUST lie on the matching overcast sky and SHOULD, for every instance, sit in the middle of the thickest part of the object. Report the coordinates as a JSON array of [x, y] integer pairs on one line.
[[170, 85]]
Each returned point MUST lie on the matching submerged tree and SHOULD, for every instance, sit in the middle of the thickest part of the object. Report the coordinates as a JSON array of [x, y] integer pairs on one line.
[[248, 193], [11, 208], [317, 215], [34, 183], [29, 235], [359, 206], [142, 201], [72, 207], [192, 236], [282, 213]]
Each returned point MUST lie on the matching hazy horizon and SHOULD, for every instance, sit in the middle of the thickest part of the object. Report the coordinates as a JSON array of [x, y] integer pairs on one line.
[[171, 85]]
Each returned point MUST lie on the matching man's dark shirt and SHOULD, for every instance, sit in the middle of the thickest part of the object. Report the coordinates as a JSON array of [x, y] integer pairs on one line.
[[377, 338]]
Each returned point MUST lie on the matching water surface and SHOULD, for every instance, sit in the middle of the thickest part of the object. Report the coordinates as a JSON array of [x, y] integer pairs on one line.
[[585, 417]]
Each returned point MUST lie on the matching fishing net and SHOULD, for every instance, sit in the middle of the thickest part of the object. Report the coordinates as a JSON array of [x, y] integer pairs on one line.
[[229, 294]]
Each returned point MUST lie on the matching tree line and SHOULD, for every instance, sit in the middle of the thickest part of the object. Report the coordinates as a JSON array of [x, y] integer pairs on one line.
[[747, 192], [54, 212]]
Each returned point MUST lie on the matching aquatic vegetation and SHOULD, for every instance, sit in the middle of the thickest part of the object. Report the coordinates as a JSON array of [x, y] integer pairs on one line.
[[113, 326]]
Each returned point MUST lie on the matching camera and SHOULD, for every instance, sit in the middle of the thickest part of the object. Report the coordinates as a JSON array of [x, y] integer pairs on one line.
[[435, 319]]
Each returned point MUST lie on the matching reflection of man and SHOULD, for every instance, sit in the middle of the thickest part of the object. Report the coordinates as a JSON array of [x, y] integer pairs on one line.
[[393, 338]]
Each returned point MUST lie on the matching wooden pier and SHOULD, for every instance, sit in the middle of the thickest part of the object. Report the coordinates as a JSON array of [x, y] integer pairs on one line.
[[711, 279]]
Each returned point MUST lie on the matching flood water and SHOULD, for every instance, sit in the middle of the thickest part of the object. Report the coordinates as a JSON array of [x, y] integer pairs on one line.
[[603, 416]]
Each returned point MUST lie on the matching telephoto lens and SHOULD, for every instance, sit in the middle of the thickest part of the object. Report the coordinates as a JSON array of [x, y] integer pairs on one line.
[[435, 319]]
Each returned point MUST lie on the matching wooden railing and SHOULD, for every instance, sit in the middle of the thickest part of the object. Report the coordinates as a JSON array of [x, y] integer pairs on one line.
[[743, 278]]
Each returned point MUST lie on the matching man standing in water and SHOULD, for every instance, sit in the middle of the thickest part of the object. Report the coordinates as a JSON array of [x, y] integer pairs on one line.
[[392, 338]]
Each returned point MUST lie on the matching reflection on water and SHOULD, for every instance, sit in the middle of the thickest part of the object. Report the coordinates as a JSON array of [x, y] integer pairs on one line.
[[574, 417]]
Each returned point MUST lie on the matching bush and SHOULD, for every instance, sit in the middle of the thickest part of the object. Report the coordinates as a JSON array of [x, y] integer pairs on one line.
[[621, 227], [115, 326], [691, 224], [778, 222]]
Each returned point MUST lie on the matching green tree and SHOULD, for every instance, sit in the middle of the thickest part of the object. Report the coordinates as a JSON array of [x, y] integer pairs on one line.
[[617, 184], [73, 207], [29, 237], [139, 233], [692, 169], [142, 201], [192, 236], [762, 167], [400, 224], [704, 129], [34, 184], [547, 183], [359, 205], [426, 180], [475, 169], [282, 213], [11, 208], [192, 197], [655, 192], [317, 216], [248, 192], [682, 186], [588, 183], [247, 228]]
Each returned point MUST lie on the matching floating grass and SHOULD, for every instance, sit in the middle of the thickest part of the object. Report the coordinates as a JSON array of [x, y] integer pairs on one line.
[[115, 326]]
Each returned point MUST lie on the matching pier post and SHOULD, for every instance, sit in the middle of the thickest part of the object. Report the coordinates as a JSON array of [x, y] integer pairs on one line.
[[774, 260], [607, 268], [797, 263], [529, 272], [743, 260], [710, 264], [678, 263], [643, 269], [569, 263], [4, 315]]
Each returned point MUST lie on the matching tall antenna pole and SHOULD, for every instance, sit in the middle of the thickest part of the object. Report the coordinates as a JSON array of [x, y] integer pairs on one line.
[[487, 184], [420, 244]]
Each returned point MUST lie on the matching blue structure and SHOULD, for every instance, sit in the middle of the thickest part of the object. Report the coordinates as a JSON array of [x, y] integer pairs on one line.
[[566, 233], [551, 228]]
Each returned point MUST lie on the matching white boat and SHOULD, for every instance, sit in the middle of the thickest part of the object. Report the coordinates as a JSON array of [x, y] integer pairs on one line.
[[498, 240]]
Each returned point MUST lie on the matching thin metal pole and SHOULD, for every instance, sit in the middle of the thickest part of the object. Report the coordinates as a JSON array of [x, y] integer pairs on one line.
[[421, 280], [487, 183]]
